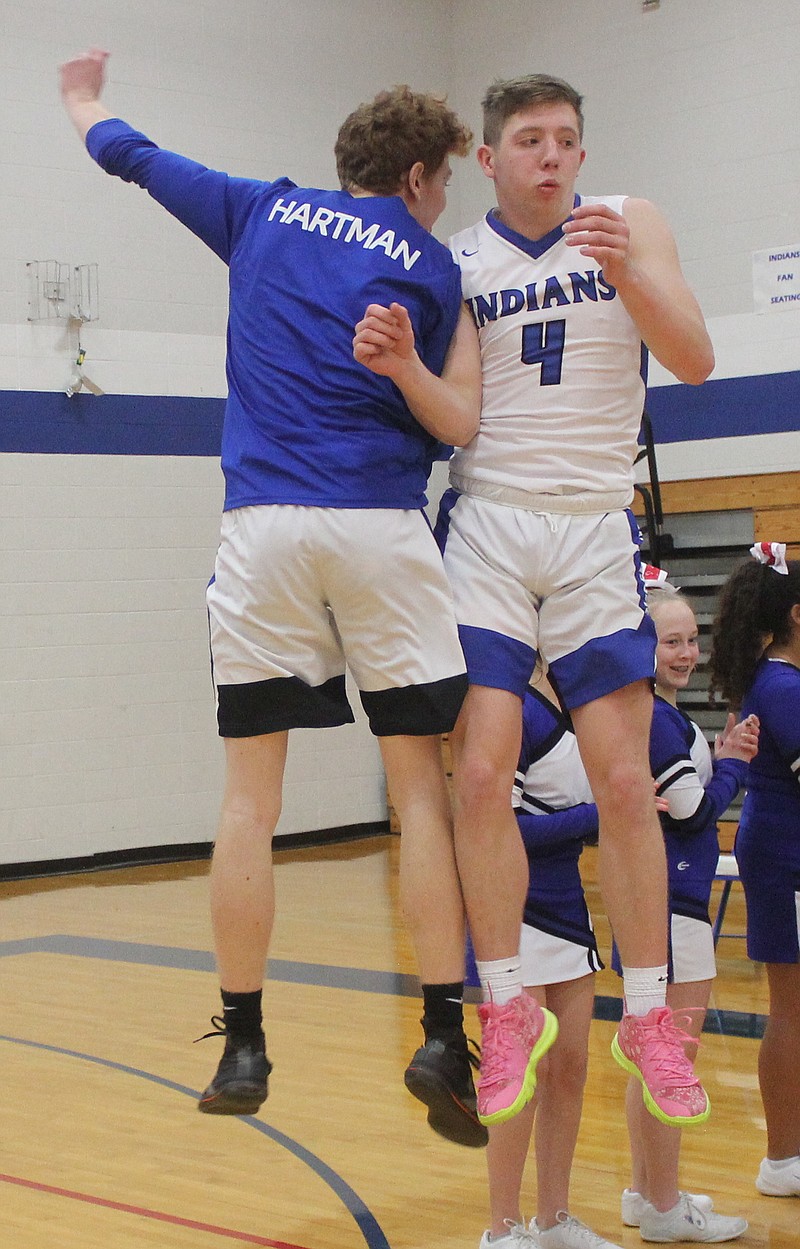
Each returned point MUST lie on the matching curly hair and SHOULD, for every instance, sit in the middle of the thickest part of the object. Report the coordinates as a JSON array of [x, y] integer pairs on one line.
[[506, 97], [380, 141], [754, 610]]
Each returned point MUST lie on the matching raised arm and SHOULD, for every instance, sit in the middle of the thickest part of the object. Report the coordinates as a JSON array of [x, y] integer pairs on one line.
[[638, 254], [449, 407], [82, 80]]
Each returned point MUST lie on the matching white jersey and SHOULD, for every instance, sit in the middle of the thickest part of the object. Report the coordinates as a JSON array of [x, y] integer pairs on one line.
[[563, 391]]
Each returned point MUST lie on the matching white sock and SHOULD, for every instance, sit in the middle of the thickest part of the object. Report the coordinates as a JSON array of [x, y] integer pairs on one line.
[[644, 988], [501, 979], [780, 1163]]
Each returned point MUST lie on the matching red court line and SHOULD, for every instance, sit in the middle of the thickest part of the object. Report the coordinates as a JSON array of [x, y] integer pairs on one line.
[[246, 1237]]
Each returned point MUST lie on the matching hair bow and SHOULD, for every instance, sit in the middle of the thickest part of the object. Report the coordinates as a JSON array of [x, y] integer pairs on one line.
[[773, 554]]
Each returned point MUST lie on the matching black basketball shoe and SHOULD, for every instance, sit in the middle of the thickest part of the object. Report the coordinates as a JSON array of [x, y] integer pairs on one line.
[[240, 1085], [440, 1076]]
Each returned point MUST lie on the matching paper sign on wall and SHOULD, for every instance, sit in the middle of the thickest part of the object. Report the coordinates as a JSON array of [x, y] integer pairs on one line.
[[776, 279]]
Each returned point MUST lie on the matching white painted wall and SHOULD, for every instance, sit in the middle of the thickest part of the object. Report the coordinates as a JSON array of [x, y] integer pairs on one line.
[[107, 735]]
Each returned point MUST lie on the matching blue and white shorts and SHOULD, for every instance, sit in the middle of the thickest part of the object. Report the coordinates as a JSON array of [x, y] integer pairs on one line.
[[565, 586], [298, 592]]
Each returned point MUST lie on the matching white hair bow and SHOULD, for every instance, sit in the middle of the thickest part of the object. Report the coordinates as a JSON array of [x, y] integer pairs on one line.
[[772, 553]]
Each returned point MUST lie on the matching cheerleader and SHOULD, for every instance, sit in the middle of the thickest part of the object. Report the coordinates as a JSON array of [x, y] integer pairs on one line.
[[556, 816], [693, 789], [755, 665]]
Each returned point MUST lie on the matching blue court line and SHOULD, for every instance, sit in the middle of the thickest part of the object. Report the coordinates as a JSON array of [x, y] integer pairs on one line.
[[366, 1221], [747, 1024]]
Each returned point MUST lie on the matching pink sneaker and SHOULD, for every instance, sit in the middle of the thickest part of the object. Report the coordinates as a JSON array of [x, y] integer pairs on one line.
[[651, 1048], [514, 1038]]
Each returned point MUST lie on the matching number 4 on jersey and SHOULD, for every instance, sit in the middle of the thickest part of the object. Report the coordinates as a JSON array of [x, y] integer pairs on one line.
[[543, 343]]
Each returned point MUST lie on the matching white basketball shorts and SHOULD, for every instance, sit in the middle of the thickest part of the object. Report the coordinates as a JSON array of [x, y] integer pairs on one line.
[[298, 592], [565, 586]]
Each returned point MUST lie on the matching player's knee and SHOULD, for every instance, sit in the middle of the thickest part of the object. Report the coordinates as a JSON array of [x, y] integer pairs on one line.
[[623, 792], [481, 785]]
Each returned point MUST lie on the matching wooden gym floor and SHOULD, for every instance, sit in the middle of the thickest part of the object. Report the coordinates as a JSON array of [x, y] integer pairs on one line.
[[106, 980]]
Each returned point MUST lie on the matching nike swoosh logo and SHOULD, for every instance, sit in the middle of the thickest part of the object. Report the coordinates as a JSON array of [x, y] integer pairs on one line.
[[682, 866], [477, 249]]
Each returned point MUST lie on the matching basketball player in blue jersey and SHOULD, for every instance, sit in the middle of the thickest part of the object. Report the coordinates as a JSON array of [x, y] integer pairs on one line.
[[755, 665], [542, 553], [325, 553]]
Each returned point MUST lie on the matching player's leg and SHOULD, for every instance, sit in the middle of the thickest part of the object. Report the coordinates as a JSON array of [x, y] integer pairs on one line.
[[393, 611], [613, 733], [493, 868], [488, 552], [440, 1073], [668, 1214], [277, 665], [242, 913]]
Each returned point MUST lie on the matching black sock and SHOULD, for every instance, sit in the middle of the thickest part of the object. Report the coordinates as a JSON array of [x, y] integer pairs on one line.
[[242, 1014], [444, 1009]]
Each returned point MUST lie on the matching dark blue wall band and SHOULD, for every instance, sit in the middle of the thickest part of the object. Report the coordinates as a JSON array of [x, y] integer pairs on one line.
[[731, 407], [48, 423]]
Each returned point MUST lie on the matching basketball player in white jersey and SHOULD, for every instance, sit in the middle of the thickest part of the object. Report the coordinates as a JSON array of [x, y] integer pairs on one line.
[[542, 552]]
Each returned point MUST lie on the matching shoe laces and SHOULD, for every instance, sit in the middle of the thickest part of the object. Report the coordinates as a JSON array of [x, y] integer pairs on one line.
[[498, 1046], [668, 1055], [220, 1029], [579, 1232], [520, 1234]]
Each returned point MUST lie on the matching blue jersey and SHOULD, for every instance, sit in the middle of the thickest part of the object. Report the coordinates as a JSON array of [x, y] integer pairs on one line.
[[304, 422], [555, 813], [771, 810], [698, 790]]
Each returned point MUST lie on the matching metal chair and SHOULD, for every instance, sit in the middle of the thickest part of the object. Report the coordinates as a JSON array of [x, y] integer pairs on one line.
[[727, 871]]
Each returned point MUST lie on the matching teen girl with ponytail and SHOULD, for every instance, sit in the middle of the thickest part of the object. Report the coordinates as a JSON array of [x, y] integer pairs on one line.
[[755, 666]]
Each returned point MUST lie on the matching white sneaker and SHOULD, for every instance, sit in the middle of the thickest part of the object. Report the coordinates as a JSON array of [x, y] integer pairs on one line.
[[686, 1221], [779, 1180], [633, 1203], [568, 1233], [517, 1237]]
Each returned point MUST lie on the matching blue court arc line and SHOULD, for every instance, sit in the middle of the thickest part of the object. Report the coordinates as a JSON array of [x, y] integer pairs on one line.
[[747, 1024], [366, 1221]]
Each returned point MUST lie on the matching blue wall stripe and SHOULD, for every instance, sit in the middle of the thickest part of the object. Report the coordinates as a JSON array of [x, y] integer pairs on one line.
[[730, 407], [48, 423]]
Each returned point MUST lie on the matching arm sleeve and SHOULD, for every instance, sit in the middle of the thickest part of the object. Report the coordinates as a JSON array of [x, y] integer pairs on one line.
[[691, 807], [572, 824], [212, 205]]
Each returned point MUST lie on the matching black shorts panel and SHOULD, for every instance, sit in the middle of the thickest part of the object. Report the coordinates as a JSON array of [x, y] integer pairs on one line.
[[415, 710], [281, 703]]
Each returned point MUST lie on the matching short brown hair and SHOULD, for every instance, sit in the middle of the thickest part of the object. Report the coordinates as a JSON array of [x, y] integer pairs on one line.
[[506, 97], [379, 142]]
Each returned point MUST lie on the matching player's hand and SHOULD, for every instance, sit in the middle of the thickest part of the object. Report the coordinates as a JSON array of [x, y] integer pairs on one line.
[[662, 804], [738, 740], [384, 339], [597, 231], [82, 78]]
